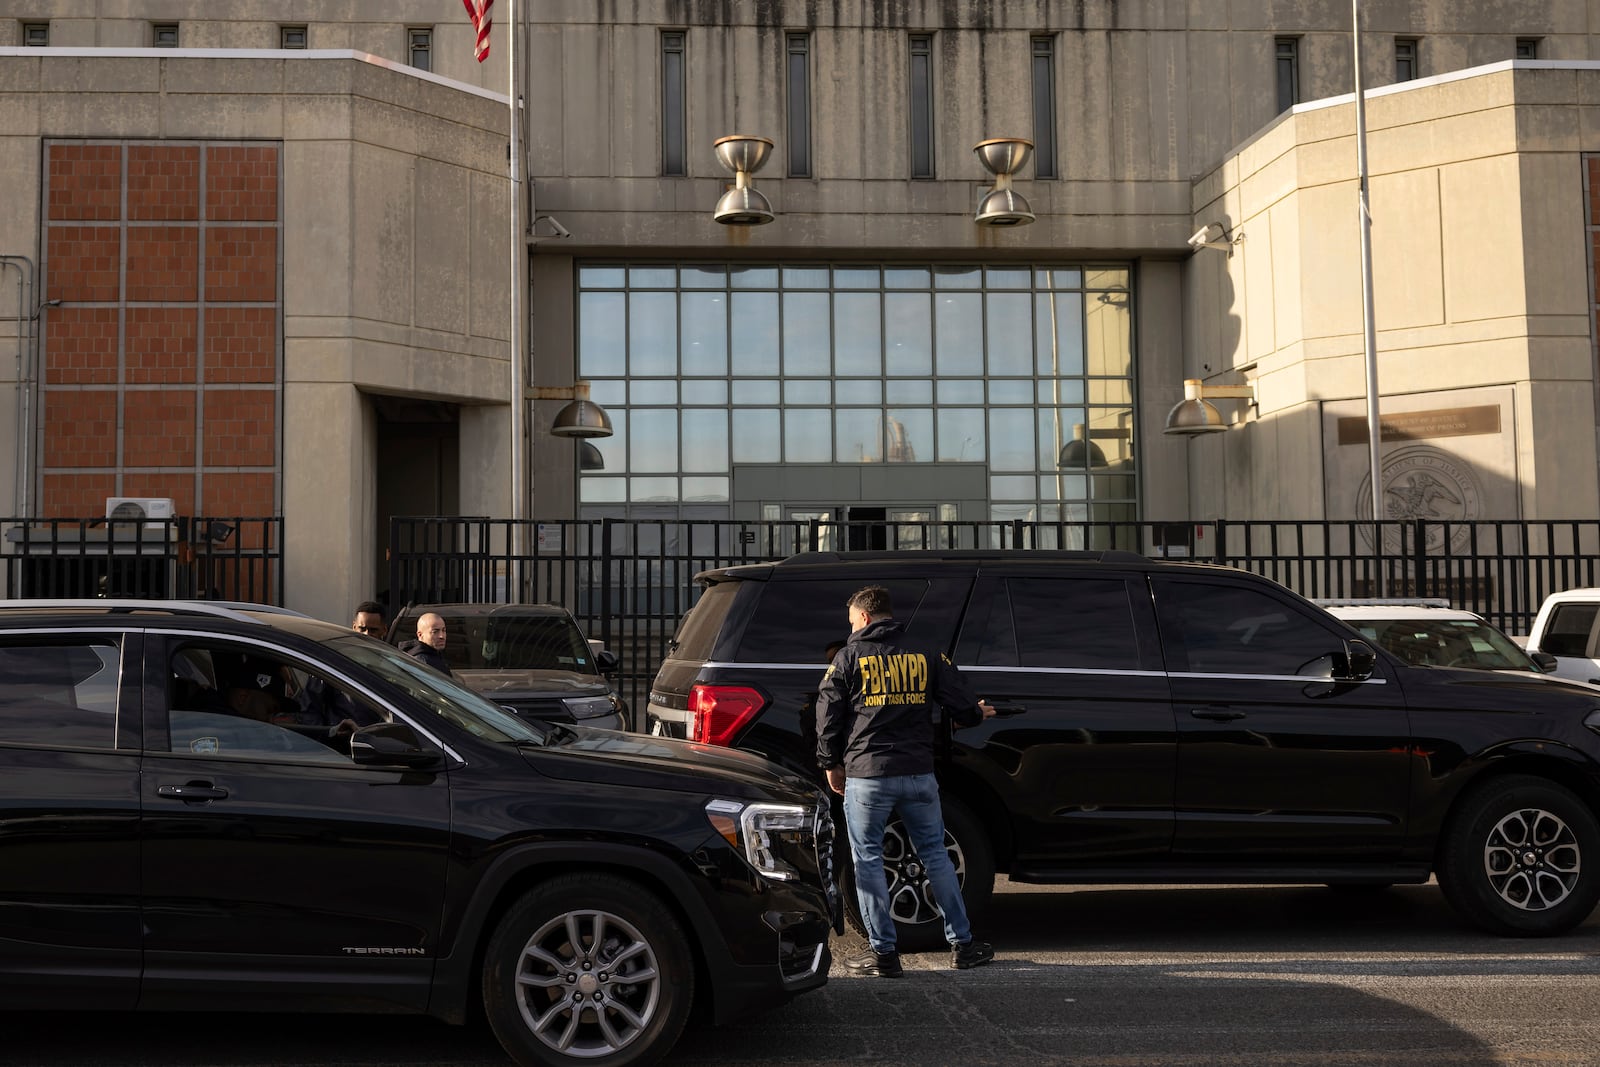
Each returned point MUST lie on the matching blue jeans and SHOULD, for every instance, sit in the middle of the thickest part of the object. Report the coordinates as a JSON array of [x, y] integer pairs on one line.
[[868, 805]]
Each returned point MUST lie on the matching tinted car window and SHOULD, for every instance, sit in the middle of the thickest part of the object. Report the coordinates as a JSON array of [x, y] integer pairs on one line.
[[238, 702], [1225, 629], [59, 694], [1085, 623], [796, 621], [1568, 632], [1074, 623], [698, 632], [441, 695]]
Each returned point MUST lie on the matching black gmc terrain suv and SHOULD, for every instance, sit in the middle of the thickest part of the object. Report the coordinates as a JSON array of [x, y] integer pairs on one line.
[[1170, 723], [212, 808]]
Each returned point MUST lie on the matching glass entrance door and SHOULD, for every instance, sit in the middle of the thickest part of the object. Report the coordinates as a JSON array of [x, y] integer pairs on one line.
[[865, 527]]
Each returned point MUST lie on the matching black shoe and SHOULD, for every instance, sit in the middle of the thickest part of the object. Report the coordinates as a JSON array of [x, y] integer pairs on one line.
[[870, 964], [972, 954]]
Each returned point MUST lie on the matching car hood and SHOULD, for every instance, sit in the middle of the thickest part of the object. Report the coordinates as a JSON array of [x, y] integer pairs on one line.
[[1472, 688], [579, 754], [509, 683]]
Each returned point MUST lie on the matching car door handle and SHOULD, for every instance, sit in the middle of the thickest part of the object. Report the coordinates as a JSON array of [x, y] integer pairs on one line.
[[1009, 709], [1217, 714], [193, 792]]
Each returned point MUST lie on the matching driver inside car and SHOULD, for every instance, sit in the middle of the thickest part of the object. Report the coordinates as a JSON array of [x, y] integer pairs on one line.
[[254, 688]]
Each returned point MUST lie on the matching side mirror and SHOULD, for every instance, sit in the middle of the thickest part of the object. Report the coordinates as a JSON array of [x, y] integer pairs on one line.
[[1358, 662], [391, 744], [1545, 661], [607, 661]]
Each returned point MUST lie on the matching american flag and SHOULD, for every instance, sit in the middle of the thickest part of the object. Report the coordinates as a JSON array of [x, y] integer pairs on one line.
[[479, 12]]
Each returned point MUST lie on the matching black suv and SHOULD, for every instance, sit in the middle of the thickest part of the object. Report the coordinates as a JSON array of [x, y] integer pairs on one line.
[[1170, 723], [531, 658], [213, 808]]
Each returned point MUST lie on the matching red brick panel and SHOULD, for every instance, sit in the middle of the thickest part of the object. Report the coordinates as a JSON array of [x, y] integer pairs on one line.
[[83, 263], [240, 428], [241, 344], [180, 487], [1594, 261], [242, 263], [242, 183], [1593, 163], [160, 345], [158, 429], [238, 493], [80, 429], [164, 182], [77, 496], [85, 181], [81, 346], [163, 263]]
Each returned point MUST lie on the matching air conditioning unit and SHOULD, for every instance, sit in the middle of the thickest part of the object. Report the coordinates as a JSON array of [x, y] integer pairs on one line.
[[139, 508]]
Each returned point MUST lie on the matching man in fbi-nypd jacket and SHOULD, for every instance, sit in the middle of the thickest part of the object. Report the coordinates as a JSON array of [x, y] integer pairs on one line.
[[875, 742]]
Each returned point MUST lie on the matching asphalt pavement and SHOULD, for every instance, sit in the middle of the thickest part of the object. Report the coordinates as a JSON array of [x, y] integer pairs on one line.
[[1121, 977]]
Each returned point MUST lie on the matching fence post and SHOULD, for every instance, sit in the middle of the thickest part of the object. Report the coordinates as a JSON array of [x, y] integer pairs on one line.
[[1419, 553], [394, 565], [606, 526], [816, 534], [1219, 552]]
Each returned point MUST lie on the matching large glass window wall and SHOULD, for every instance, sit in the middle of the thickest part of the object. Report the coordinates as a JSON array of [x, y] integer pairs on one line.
[[1026, 369]]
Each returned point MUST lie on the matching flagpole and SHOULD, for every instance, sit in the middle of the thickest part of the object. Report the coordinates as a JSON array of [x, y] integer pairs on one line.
[[1368, 324], [1364, 220], [519, 253]]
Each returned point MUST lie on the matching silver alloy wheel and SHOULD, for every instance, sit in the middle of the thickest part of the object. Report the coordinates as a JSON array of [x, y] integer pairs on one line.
[[1532, 859], [911, 898], [587, 984]]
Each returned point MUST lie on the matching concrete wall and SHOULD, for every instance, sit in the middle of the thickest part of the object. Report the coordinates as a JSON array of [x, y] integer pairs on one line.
[[377, 27], [395, 248], [1150, 98], [1480, 276]]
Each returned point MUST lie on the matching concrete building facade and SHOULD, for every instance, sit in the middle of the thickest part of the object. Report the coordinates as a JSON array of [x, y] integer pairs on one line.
[[268, 264]]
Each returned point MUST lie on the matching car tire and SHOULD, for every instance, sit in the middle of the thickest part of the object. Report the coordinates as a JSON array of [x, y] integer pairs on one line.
[[918, 925], [1521, 857], [556, 945]]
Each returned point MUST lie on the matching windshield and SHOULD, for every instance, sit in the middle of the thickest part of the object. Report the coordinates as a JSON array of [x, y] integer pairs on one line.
[[1447, 643], [516, 642], [444, 697]]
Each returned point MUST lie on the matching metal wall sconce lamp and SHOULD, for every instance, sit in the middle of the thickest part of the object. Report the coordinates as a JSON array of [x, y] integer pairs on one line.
[[581, 418], [1194, 414], [743, 205], [1003, 205], [1081, 452]]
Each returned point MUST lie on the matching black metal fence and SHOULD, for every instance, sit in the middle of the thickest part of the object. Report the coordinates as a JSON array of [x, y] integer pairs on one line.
[[629, 581], [205, 558]]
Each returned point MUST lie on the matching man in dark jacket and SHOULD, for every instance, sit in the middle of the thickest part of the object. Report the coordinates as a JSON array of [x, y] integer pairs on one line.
[[875, 742], [429, 645]]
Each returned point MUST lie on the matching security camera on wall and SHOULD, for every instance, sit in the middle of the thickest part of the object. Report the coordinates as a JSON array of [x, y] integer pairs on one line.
[[1211, 235]]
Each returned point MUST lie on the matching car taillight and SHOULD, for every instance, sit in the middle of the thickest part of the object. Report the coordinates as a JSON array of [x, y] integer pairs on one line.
[[719, 712]]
